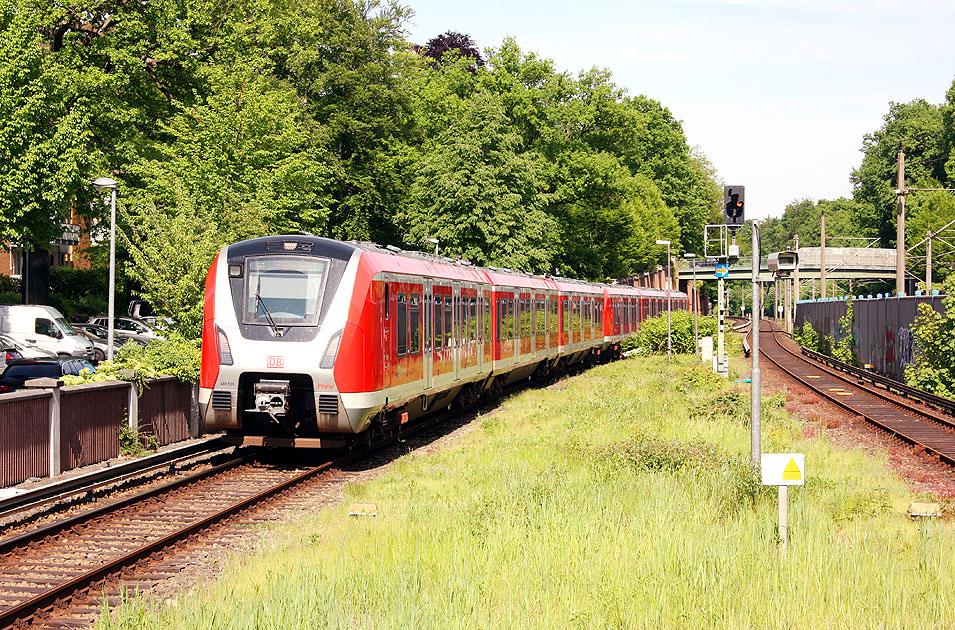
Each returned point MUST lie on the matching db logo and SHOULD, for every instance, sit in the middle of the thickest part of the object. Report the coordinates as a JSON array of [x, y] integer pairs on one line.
[[275, 362]]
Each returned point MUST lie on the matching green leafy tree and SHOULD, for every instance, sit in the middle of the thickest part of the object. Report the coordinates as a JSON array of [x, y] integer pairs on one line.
[[477, 193], [918, 126], [933, 335]]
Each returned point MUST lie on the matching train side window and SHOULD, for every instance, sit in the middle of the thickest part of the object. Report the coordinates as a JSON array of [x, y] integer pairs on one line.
[[414, 325], [448, 322], [515, 318], [487, 320], [401, 323], [438, 323], [502, 324], [426, 312], [539, 318], [528, 318], [472, 320], [387, 303]]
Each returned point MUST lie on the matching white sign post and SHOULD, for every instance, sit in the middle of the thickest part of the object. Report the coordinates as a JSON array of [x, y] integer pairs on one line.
[[783, 470]]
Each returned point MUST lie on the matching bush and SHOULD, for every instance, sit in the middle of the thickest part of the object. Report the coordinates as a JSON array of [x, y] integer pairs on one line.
[[808, 337], [933, 335], [652, 336], [173, 356], [842, 348]]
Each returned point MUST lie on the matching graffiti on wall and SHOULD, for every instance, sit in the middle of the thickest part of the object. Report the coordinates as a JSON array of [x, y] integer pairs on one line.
[[905, 348], [902, 353]]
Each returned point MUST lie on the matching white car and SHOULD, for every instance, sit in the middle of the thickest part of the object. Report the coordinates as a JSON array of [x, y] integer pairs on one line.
[[45, 327], [26, 350], [129, 327]]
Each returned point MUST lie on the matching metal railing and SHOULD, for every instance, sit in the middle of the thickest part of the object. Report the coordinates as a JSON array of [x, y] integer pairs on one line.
[[53, 429]]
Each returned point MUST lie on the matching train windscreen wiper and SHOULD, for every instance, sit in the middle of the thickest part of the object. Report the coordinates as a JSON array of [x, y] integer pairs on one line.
[[258, 298]]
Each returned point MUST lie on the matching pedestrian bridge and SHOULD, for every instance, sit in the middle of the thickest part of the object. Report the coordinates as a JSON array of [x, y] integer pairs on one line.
[[842, 263]]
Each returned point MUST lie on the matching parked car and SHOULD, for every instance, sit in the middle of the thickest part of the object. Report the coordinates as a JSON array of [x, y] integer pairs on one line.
[[43, 326], [129, 327], [21, 370], [26, 350], [99, 336], [10, 352]]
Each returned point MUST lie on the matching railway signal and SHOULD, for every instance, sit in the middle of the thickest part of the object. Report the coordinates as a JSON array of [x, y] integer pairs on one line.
[[734, 199]]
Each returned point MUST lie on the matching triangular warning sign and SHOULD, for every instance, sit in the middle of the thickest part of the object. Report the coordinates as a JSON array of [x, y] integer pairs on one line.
[[792, 472]]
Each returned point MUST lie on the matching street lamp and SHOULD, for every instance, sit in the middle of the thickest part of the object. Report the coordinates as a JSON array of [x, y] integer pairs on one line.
[[669, 291], [696, 306], [101, 184], [435, 242]]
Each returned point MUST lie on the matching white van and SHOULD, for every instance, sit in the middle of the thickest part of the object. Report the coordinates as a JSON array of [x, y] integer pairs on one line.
[[45, 327]]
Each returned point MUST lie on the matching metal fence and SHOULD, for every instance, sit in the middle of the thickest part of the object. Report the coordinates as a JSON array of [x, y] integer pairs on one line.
[[881, 329], [24, 436], [166, 410], [39, 438]]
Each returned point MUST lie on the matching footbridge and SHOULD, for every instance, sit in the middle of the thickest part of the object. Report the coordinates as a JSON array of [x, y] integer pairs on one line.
[[842, 263]]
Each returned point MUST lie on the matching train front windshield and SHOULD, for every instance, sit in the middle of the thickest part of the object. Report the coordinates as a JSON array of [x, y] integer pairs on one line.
[[287, 288]]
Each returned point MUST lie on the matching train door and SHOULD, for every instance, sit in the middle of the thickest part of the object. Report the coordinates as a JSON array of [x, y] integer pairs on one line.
[[456, 341], [386, 321], [427, 358]]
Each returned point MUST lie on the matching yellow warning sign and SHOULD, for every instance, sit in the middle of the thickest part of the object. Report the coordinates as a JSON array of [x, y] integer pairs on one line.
[[783, 469], [792, 472]]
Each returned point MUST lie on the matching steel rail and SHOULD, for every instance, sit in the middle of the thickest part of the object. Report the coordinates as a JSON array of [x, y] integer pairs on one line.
[[912, 430], [112, 475], [940, 403], [27, 610]]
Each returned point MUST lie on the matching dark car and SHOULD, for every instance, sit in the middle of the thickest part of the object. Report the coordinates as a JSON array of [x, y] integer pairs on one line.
[[22, 370], [99, 336]]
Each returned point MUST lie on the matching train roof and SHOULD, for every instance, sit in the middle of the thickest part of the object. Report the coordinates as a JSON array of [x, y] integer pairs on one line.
[[578, 286], [395, 260], [388, 258]]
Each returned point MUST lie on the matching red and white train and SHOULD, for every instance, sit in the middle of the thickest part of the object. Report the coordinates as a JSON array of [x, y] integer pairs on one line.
[[307, 341]]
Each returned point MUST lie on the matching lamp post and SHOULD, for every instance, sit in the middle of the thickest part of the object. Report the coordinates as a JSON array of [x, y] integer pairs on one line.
[[101, 184], [669, 290], [435, 242], [696, 306]]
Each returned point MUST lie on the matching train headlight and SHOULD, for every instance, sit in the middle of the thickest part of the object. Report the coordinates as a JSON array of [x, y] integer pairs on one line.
[[331, 352], [225, 350]]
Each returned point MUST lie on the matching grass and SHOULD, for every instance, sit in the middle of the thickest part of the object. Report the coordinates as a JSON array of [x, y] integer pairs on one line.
[[623, 500]]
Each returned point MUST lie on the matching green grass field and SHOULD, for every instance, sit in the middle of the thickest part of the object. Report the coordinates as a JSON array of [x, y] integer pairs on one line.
[[619, 498]]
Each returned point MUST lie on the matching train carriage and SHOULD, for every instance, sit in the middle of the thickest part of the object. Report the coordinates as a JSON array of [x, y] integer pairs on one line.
[[308, 340]]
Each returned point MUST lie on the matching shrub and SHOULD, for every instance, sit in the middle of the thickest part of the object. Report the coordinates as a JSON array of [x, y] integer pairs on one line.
[[842, 348], [808, 337], [174, 356], [652, 336], [933, 335]]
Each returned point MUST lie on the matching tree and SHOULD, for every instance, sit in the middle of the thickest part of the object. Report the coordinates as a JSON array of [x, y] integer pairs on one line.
[[917, 126], [246, 162], [933, 335], [477, 192], [459, 44]]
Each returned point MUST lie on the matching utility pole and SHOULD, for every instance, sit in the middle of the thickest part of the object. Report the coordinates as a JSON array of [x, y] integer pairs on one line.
[[795, 275], [822, 254], [900, 227], [928, 262], [755, 401]]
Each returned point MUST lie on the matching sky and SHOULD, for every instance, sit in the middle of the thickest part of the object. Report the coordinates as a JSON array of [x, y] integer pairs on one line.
[[778, 94]]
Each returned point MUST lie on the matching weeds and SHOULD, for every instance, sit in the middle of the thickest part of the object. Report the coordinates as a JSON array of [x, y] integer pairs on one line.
[[135, 443]]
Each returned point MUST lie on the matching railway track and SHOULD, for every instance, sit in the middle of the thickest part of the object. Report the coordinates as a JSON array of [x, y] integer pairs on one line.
[[910, 420], [59, 575]]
